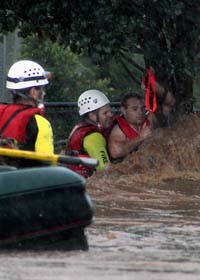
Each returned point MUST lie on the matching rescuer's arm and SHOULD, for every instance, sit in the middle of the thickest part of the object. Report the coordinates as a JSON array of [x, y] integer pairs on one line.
[[95, 145]]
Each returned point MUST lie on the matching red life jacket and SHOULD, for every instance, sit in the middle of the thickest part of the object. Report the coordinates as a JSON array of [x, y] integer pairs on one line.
[[128, 130], [14, 119], [77, 135], [75, 146]]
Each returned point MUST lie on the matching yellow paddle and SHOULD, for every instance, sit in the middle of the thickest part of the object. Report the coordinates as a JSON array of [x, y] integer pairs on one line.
[[52, 158]]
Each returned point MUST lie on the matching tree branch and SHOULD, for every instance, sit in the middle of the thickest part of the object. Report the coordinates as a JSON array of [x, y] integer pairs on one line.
[[131, 61], [129, 72]]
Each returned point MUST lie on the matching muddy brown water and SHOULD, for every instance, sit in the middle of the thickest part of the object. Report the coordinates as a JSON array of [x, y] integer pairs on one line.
[[147, 223]]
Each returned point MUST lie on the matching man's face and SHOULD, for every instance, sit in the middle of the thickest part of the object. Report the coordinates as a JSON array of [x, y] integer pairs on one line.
[[134, 113], [105, 116]]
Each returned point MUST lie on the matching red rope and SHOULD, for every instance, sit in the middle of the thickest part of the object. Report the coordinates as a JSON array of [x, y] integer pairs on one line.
[[149, 83]]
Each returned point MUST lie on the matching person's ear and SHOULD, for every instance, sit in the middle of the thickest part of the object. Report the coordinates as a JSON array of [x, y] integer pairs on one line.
[[92, 116], [33, 93]]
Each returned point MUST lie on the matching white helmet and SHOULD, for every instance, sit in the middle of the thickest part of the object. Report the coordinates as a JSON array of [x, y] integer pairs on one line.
[[91, 100], [25, 74]]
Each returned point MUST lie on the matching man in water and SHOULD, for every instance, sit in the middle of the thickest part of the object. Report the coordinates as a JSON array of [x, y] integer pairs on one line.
[[131, 128]]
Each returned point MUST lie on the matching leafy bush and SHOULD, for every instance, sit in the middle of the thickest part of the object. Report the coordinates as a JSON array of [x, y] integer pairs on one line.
[[71, 74]]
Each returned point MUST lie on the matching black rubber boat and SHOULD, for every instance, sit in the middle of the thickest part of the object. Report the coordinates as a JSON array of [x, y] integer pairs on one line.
[[43, 208]]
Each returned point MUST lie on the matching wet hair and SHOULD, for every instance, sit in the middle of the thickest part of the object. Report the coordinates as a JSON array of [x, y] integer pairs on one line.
[[128, 96]]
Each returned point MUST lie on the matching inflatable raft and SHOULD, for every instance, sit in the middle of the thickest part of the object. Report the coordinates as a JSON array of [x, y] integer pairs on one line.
[[43, 208]]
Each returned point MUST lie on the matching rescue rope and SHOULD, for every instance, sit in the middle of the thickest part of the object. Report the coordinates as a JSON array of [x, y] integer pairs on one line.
[[150, 91]]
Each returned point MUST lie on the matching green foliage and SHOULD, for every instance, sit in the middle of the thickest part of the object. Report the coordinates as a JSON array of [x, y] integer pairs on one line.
[[122, 80], [166, 32], [72, 74], [197, 92], [75, 73]]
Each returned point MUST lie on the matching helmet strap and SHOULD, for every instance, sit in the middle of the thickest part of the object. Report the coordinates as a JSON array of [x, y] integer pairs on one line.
[[41, 97], [97, 123], [97, 116]]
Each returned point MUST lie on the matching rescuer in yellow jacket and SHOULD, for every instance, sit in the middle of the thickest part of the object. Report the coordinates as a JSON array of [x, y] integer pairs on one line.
[[22, 123], [89, 137]]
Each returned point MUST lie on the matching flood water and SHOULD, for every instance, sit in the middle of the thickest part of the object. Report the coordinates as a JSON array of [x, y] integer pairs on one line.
[[147, 218]]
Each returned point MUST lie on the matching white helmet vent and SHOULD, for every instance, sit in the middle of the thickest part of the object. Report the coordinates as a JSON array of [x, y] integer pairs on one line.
[[85, 101]]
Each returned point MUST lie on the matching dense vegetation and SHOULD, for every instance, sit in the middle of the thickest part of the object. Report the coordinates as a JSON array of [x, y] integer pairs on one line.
[[166, 32], [74, 73]]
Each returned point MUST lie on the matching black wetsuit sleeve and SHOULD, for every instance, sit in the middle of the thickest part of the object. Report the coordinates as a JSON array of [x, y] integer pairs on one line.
[[31, 135]]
